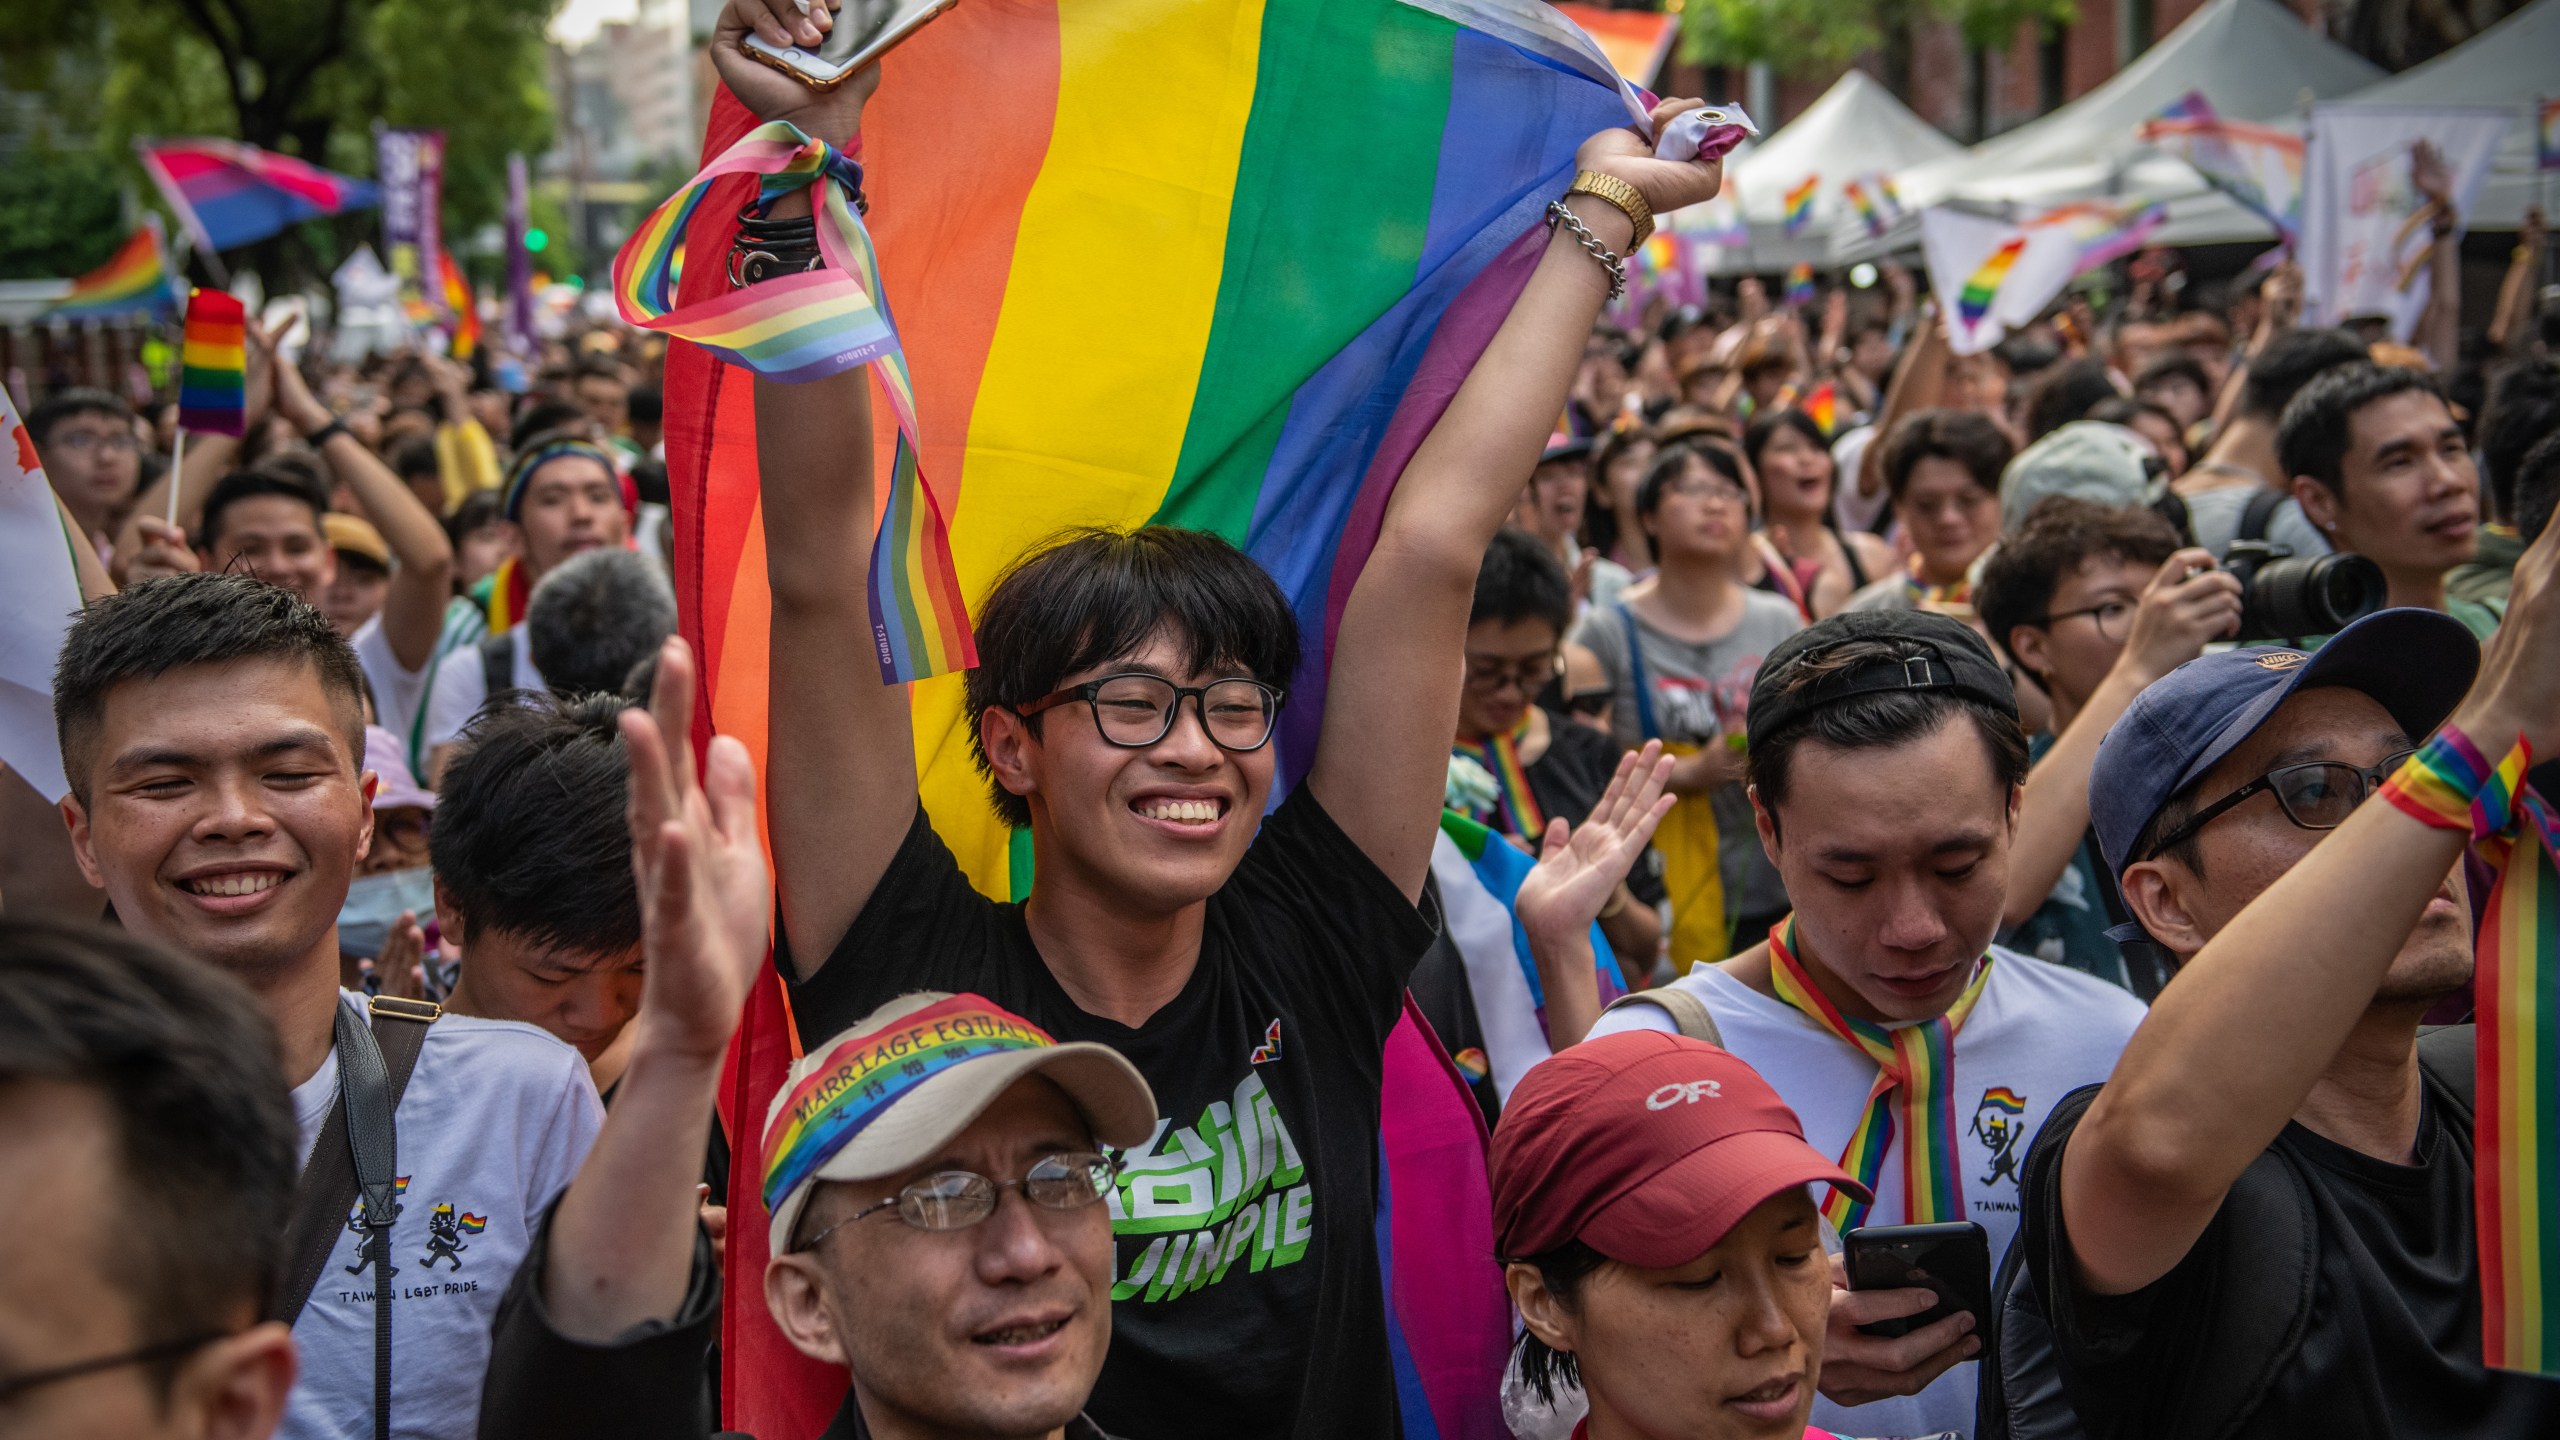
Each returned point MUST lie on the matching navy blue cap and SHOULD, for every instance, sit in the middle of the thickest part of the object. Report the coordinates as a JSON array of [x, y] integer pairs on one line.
[[2417, 664]]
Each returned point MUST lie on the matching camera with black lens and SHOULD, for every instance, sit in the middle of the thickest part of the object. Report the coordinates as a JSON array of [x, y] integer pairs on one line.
[[2284, 596]]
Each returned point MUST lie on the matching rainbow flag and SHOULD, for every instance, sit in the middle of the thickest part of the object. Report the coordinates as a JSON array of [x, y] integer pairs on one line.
[[458, 300], [1480, 871], [2516, 1183], [214, 365], [1134, 295], [1869, 214], [1822, 403], [2106, 231], [2546, 135], [2259, 166], [134, 282], [1799, 205], [228, 194], [1983, 285], [1799, 293]]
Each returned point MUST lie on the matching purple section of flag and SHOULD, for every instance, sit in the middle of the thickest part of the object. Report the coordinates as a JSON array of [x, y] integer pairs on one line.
[[228, 194], [519, 323], [1448, 1318]]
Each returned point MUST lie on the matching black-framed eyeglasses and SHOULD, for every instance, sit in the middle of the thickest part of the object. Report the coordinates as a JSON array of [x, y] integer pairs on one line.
[[958, 1199], [14, 1386], [1589, 702], [2113, 619], [1135, 710], [1490, 674], [2319, 795]]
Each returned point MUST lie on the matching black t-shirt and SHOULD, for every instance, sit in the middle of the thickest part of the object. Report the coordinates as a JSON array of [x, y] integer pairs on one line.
[[1248, 1301], [2391, 1339]]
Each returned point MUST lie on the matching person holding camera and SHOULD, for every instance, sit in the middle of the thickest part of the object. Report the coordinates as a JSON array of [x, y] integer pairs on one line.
[[2263, 1224], [2094, 603]]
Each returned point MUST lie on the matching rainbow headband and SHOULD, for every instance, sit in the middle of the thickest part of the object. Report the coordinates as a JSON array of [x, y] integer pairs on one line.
[[521, 475], [825, 1108]]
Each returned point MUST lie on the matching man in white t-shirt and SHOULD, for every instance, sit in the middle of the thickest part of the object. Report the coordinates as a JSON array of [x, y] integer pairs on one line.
[[1885, 763], [212, 729]]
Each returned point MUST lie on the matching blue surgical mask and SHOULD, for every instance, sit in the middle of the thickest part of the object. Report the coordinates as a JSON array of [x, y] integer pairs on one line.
[[375, 903]]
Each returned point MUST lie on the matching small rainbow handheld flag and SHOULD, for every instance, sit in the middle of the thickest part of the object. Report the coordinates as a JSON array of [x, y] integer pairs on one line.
[[213, 377], [459, 300], [1799, 204], [134, 282], [1799, 286], [1865, 204], [2546, 135], [1983, 285], [803, 327], [1822, 403]]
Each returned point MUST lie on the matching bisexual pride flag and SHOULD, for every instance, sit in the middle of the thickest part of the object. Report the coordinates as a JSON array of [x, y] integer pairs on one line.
[[229, 194]]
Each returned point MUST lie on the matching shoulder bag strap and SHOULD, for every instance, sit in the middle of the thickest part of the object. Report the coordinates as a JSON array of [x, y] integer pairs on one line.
[[1688, 1013], [357, 1164], [497, 665], [1635, 674], [2259, 512]]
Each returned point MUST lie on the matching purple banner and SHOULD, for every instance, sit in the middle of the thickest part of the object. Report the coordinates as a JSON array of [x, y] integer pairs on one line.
[[519, 321], [409, 165]]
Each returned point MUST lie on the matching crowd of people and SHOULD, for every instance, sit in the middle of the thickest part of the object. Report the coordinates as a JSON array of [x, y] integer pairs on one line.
[[1957, 761]]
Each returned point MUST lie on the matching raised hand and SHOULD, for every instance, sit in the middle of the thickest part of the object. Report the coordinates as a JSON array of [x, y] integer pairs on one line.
[[2188, 603], [705, 894], [1666, 185], [158, 548], [1580, 866], [2518, 690], [402, 963], [830, 115]]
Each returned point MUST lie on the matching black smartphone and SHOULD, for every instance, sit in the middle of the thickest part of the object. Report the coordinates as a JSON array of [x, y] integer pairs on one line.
[[1953, 1260]]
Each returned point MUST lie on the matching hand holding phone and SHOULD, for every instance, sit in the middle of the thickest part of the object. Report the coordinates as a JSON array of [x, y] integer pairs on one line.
[[855, 37], [1954, 1260], [831, 113]]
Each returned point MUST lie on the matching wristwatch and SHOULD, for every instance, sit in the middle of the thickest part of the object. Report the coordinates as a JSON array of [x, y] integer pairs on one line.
[[1619, 193]]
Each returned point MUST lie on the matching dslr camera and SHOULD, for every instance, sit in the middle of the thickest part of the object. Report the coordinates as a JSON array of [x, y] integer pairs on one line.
[[2284, 596]]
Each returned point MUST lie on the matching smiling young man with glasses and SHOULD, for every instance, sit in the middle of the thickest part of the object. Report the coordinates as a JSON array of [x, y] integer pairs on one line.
[[2092, 602], [2263, 1223]]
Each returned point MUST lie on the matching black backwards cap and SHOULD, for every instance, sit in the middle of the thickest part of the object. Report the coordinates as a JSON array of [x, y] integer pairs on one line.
[[1957, 662]]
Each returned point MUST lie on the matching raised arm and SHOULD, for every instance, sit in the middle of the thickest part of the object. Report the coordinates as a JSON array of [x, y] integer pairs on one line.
[[1918, 383], [413, 610], [1579, 867], [2230, 1050], [1381, 760], [840, 749], [2513, 322]]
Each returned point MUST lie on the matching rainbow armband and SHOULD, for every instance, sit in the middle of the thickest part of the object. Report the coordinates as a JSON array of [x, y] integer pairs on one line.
[[2450, 784]]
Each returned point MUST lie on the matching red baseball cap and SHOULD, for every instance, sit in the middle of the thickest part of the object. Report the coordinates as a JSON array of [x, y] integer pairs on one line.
[[1645, 1146]]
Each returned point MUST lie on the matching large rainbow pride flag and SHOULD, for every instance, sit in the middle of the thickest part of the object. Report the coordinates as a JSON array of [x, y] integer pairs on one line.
[[134, 281], [229, 194], [1214, 263]]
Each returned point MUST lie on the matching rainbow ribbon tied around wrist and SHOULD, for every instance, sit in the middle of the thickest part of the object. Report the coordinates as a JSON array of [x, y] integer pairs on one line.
[[2515, 987], [797, 328]]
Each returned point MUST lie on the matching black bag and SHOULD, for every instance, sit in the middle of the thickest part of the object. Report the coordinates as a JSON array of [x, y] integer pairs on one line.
[[355, 1161], [2021, 1394]]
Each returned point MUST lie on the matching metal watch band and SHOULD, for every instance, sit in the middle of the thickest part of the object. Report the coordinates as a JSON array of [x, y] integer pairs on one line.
[[1619, 193]]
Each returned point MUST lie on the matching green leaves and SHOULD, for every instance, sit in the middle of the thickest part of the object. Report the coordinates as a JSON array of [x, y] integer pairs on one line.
[[1811, 37]]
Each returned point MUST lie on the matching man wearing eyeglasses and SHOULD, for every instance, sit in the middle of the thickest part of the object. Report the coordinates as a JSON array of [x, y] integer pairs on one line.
[[2263, 1223], [92, 455], [2093, 602]]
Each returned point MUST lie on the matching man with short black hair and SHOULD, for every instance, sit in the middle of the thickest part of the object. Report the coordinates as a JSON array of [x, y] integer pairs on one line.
[[2380, 465], [1884, 763], [212, 727], [2523, 408], [533, 880], [1942, 474], [142, 1209], [2177, 382], [2221, 485], [2263, 1224], [90, 451]]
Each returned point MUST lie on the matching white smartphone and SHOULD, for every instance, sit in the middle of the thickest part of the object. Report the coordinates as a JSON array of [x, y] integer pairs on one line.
[[865, 30]]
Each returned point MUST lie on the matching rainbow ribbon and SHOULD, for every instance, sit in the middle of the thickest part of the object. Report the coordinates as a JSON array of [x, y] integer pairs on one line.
[[1518, 806], [832, 1105], [1914, 1094], [213, 365], [803, 327], [2450, 784]]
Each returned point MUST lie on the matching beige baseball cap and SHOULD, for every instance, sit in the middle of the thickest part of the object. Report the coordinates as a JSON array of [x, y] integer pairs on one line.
[[887, 1094]]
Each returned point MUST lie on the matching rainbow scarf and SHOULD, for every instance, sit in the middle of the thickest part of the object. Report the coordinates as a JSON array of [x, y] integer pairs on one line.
[[1515, 805], [797, 328], [135, 281], [862, 1076], [1799, 205], [510, 590], [1913, 1094], [2450, 784], [213, 375], [1956, 599]]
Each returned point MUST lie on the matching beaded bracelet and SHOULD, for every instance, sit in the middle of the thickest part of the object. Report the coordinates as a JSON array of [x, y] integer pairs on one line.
[[2450, 785], [1609, 259]]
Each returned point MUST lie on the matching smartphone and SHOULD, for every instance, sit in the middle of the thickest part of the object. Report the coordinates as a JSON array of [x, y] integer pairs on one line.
[[1953, 1259], [865, 30]]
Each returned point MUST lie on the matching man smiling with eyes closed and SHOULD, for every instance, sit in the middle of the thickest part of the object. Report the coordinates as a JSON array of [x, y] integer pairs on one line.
[[1884, 766], [213, 732]]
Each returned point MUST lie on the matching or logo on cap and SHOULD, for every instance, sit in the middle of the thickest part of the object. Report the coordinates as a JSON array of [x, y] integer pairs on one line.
[[872, 1072], [1684, 1092], [2281, 659]]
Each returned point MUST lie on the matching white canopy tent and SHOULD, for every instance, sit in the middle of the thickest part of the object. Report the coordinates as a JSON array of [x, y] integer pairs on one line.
[[2514, 62], [2252, 59], [1858, 129]]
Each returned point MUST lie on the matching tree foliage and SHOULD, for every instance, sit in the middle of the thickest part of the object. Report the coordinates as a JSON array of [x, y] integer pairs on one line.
[[304, 77], [1810, 37]]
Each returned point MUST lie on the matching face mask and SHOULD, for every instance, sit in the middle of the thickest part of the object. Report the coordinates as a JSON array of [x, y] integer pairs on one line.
[[375, 903]]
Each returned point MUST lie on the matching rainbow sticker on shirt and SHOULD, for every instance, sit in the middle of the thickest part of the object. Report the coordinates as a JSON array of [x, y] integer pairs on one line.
[[827, 1108]]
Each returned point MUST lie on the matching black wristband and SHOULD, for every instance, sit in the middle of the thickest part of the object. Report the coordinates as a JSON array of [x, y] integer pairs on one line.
[[319, 439]]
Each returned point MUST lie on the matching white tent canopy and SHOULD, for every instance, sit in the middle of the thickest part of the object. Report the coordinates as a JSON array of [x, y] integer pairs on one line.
[[1857, 129], [2514, 62], [2252, 59]]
